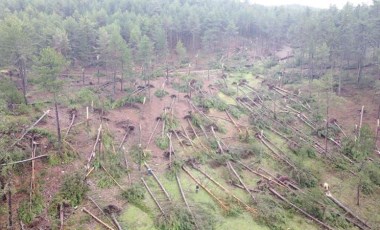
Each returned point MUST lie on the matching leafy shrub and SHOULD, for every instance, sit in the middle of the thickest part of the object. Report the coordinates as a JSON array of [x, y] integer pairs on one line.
[[178, 218], [361, 148], [270, 212], [139, 155], [161, 93], [74, 189], [30, 210], [305, 151], [373, 172], [134, 194], [129, 99], [162, 142], [366, 186], [228, 91]]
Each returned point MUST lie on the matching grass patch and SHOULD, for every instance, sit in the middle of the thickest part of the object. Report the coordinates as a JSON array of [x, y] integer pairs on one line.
[[160, 93]]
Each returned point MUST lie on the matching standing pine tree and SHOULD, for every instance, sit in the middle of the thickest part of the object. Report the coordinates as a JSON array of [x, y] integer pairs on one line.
[[48, 67]]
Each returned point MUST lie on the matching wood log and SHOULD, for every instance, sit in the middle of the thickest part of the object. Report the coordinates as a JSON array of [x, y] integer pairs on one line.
[[217, 141], [240, 180], [186, 203], [97, 219], [159, 182], [92, 155], [154, 130], [153, 197], [22, 161], [71, 125], [113, 179], [123, 140], [30, 128], [341, 205], [247, 207], [232, 120], [270, 179], [100, 209], [361, 121], [219, 201], [299, 209], [195, 133], [61, 216]]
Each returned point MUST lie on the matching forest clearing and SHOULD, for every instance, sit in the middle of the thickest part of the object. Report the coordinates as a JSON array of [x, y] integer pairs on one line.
[[113, 116]]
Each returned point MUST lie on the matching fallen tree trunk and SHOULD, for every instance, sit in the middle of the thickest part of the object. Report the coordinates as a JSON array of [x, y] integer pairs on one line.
[[30, 128], [247, 207], [71, 124], [219, 201], [241, 181], [153, 197], [337, 202], [97, 219], [261, 175], [159, 183], [92, 155], [186, 203], [154, 130], [299, 209], [22, 161]]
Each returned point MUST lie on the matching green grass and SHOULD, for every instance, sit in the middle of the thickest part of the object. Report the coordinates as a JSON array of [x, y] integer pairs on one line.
[[135, 218]]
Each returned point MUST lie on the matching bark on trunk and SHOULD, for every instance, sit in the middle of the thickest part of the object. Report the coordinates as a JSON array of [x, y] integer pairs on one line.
[[23, 79], [10, 223], [58, 125]]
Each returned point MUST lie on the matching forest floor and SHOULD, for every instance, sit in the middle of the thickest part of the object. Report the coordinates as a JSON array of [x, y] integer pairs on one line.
[[143, 117]]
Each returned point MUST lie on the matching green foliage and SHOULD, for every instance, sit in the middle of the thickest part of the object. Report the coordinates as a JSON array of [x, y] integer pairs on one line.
[[48, 67], [84, 97], [198, 120], [171, 122], [307, 202], [139, 155], [162, 142], [235, 111], [175, 168], [305, 176], [228, 91], [181, 51], [366, 186], [9, 124], [30, 210], [373, 172], [210, 102], [135, 194], [360, 149], [178, 218], [73, 189], [270, 212], [305, 151], [127, 100], [9, 95], [161, 93], [269, 63]]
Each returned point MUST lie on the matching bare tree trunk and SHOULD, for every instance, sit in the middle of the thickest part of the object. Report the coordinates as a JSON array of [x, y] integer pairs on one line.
[[359, 71], [10, 215], [122, 76], [83, 76], [22, 71], [358, 194], [57, 123], [98, 76], [114, 82], [327, 121]]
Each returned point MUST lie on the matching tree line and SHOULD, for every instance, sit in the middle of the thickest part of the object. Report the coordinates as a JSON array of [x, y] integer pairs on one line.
[[118, 34]]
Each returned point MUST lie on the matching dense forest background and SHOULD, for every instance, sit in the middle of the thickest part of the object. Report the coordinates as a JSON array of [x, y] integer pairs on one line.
[[118, 34], [226, 65]]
